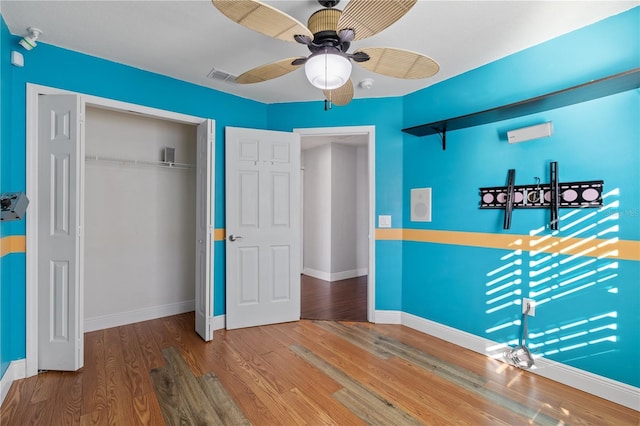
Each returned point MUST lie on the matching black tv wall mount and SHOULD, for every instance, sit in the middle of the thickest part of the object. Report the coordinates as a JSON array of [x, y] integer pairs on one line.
[[553, 195]]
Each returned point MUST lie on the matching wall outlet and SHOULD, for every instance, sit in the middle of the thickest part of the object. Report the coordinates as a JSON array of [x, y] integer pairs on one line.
[[532, 306]]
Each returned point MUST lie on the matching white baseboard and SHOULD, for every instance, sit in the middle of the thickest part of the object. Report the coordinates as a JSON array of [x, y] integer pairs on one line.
[[123, 318], [321, 275], [612, 390], [15, 371], [388, 317], [219, 322], [335, 276]]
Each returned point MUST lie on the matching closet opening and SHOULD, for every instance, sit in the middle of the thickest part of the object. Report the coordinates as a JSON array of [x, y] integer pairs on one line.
[[139, 218], [121, 194]]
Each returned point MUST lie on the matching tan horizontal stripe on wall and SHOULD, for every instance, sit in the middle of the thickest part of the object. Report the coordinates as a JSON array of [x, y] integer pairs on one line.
[[591, 247], [622, 249], [219, 234], [13, 244], [17, 243]]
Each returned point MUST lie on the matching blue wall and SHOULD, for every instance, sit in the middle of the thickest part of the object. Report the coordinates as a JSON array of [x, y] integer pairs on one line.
[[7, 285], [445, 283], [590, 312]]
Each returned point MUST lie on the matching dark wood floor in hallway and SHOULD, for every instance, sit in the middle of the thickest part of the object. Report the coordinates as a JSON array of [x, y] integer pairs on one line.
[[344, 300]]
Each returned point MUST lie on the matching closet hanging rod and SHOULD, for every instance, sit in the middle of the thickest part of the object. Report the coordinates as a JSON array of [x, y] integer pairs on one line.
[[139, 162]]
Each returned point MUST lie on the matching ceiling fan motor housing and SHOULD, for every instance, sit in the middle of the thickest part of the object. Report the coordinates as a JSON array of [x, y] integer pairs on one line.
[[324, 20], [328, 3], [323, 24]]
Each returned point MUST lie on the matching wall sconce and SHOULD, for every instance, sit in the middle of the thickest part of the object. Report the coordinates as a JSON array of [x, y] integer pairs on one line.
[[29, 41]]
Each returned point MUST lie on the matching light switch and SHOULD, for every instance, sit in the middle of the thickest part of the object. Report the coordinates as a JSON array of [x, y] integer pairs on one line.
[[384, 221]]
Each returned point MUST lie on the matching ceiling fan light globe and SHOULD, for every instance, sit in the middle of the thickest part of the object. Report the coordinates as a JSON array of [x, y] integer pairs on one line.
[[328, 71]]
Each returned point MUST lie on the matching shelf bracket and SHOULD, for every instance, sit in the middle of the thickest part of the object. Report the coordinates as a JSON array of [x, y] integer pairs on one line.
[[443, 135]]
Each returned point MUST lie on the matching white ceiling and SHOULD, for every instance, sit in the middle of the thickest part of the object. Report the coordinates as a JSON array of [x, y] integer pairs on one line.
[[186, 39]]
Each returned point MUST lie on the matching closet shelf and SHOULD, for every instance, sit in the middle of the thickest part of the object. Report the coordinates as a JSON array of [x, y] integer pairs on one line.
[[127, 161], [590, 90]]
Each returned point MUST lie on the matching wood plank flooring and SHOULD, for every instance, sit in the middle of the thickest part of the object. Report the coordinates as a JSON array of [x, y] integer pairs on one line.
[[303, 373], [344, 300]]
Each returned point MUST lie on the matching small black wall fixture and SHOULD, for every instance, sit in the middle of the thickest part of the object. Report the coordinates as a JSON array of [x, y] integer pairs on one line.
[[14, 205], [553, 195]]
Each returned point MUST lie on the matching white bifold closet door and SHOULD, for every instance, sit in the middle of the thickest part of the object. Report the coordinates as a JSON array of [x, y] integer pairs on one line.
[[60, 162]]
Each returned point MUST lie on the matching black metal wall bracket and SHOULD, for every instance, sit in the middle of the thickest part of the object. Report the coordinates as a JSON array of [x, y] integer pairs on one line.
[[554, 196], [442, 131]]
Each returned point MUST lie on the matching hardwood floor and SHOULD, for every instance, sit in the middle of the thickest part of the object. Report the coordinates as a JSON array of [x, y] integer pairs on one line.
[[344, 300], [306, 372]]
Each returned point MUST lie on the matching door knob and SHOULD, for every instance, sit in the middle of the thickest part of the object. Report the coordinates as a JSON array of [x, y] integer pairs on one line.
[[234, 237]]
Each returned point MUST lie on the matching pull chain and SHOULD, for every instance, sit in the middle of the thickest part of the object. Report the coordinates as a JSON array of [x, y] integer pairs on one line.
[[327, 102]]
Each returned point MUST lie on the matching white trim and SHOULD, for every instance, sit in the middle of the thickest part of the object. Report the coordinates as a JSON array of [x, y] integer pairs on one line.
[[321, 275], [334, 276], [31, 236], [112, 104], [453, 335], [15, 371], [33, 90], [370, 132], [345, 275], [612, 390], [145, 314], [219, 322], [388, 317]]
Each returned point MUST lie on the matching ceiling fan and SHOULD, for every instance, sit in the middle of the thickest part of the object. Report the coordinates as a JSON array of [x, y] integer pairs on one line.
[[328, 35]]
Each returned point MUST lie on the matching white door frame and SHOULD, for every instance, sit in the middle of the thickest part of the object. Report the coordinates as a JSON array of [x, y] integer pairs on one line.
[[33, 91], [370, 133]]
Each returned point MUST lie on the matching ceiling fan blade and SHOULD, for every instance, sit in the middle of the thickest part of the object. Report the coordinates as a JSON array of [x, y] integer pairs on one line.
[[340, 96], [369, 17], [262, 18], [398, 63], [269, 71]]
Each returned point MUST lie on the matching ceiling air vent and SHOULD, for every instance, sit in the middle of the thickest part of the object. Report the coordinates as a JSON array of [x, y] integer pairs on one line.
[[216, 74]]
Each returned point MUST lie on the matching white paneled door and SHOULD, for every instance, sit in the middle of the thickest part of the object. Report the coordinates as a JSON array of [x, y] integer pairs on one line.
[[60, 323], [262, 227], [204, 231]]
